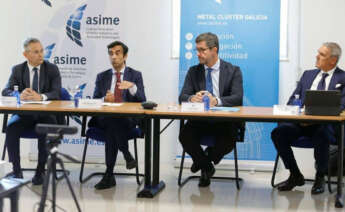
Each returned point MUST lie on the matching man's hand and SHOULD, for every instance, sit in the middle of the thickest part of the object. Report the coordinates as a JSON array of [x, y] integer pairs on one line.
[[197, 97], [125, 84], [30, 95], [109, 97]]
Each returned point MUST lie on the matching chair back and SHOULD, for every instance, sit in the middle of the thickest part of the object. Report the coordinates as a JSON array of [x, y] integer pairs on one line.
[[303, 142], [97, 134], [64, 94], [306, 142], [208, 140]]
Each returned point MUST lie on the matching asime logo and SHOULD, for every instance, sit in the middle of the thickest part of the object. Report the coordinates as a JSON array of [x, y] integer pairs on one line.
[[48, 51], [73, 25], [63, 59], [47, 2]]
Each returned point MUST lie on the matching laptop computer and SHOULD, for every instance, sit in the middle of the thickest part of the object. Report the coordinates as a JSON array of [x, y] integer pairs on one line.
[[322, 103]]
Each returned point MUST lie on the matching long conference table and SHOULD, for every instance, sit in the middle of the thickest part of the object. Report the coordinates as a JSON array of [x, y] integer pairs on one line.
[[153, 185]]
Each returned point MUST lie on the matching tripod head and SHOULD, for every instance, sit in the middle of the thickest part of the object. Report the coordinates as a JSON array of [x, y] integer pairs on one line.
[[55, 129], [54, 133]]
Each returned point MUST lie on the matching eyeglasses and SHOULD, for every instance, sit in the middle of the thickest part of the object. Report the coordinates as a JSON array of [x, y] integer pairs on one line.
[[37, 51], [201, 50]]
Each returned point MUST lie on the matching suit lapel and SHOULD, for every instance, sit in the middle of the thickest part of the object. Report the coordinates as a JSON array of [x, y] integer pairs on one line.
[[26, 77], [126, 76], [42, 77], [201, 78], [312, 78], [107, 80], [334, 80], [222, 77]]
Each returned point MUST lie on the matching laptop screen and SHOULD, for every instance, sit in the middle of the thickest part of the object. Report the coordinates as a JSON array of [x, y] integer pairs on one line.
[[322, 98]]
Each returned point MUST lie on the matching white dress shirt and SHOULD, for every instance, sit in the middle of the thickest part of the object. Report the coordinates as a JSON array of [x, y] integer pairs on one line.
[[215, 80], [319, 77], [31, 77]]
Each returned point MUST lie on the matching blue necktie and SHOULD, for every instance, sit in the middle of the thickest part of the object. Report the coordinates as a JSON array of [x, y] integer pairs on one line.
[[322, 83], [209, 86], [35, 80]]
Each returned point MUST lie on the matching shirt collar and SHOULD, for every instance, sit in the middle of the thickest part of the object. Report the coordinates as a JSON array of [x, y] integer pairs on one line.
[[32, 67], [215, 66], [122, 70], [329, 72]]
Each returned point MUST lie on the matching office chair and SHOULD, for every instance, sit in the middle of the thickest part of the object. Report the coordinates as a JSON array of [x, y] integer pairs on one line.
[[209, 142], [31, 134], [302, 142], [98, 135]]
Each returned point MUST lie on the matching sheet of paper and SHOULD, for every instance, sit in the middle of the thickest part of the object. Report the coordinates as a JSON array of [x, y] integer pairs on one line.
[[111, 104], [36, 102], [286, 110]]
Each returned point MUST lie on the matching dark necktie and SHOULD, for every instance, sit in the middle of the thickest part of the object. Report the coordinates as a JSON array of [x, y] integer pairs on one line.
[[117, 91], [209, 86], [35, 80], [322, 83]]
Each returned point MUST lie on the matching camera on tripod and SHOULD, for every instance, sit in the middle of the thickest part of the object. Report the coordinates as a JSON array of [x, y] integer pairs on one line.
[[55, 132]]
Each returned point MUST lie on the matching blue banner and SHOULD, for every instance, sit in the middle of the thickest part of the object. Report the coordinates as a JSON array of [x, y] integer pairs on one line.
[[248, 32]]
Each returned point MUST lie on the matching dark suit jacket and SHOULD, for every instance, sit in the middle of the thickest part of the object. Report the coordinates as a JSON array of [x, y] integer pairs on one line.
[[230, 87], [103, 84], [49, 81], [230, 84], [307, 79]]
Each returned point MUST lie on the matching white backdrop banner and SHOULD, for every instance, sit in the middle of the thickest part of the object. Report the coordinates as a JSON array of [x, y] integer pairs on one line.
[[75, 35]]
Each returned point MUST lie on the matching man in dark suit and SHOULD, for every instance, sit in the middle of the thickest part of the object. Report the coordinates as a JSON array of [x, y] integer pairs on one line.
[[119, 84], [37, 80], [223, 83], [327, 76]]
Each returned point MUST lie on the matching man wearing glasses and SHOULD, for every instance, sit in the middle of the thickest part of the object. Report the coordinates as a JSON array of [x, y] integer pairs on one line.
[[37, 80], [222, 82]]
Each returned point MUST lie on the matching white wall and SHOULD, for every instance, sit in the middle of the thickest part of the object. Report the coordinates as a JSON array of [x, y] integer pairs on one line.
[[14, 31], [153, 51], [321, 21]]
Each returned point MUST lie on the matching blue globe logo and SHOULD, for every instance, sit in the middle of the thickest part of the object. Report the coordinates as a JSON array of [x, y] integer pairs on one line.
[[73, 25], [48, 51]]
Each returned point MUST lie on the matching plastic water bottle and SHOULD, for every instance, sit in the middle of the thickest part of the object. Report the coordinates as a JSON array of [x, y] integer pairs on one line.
[[297, 101], [16, 94], [206, 101], [79, 95]]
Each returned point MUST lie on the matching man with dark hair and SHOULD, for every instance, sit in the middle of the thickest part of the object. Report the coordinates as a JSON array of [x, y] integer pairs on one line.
[[37, 80], [118, 84], [222, 82], [326, 77]]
